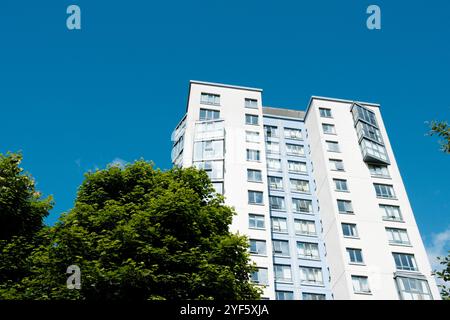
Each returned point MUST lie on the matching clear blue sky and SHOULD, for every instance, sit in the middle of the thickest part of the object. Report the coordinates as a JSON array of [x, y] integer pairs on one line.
[[76, 100]]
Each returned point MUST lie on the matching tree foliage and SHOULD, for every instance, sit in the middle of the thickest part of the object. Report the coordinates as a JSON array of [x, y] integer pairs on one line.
[[445, 276], [441, 129], [138, 233]]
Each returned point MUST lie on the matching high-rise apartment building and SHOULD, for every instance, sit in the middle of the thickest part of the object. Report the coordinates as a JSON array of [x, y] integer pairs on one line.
[[317, 192]]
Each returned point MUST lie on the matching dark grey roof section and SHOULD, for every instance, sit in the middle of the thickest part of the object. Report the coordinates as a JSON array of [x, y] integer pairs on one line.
[[284, 113]]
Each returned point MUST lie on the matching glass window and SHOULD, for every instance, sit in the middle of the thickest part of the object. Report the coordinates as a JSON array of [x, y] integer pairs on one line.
[[302, 205], [253, 155], [313, 296], [277, 203], [340, 184], [282, 272], [209, 98], [280, 247], [209, 130], [251, 103], [305, 227], [345, 206], [251, 119], [271, 131], [349, 230], [279, 225], [332, 146], [255, 197], [214, 169], [308, 250], [360, 284], [252, 136], [274, 164], [284, 295], [368, 131], [404, 261], [290, 133], [413, 289], [397, 236], [391, 212], [206, 150], [311, 276], [295, 149], [258, 247], [364, 114], [337, 165], [355, 255], [260, 276], [272, 147], [374, 150], [384, 191], [300, 185], [207, 114], [254, 175], [256, 221], [378, 171], [325, 113], [297, 166], [275, 183], [218, 186], [328, 128]]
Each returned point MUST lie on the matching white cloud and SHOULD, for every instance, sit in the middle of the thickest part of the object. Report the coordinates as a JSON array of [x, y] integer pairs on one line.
[[78, 163], [118, 162], [439, 247]]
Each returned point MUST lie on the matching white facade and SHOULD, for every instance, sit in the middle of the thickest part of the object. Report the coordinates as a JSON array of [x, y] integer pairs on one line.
[[224, 125]]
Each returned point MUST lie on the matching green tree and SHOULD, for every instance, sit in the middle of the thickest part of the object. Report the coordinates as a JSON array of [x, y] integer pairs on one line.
[[445, 276], [138, 233], [22, 211]]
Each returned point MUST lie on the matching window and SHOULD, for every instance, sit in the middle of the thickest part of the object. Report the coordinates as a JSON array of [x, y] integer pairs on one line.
[[297, 167], [251, 119], [360, 284], [260, 276], [209, 98], [391, 213], [256, 221], [373, 149], [209, 130], [277, 203], [252, 136], [384, 191], [279, 225], [258, 247], [337, 165], [328, 128], [313, 296], [355, 256], [365, 130], [206, 150], [282, 273], [254, 175], [251, 103], [378, 171], [340, 185], [272, 147], [253, 155], [302, 205], [207, 114], [284, 295], [300, 185], [295, 149], [349, 230], [290, 133], [332, 146], [345, 206], [214, 169], [255, 197], [275, 183], [397, 236], [413, 289], [311, 276], [271, 131], [274, 164], [325, 113], [364, 114], [404, 261], [305, 227], [218, 186], [280, 247], [308, 250]]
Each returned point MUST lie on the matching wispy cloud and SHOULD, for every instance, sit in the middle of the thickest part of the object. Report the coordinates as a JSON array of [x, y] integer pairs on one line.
[[439, 247], [118, 162], [78, 162]]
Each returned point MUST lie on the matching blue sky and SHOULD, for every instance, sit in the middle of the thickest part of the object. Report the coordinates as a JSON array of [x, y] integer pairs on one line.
[[76, 100]]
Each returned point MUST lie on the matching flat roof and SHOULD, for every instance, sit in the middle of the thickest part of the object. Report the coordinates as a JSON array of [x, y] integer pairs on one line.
[[225, 85], [284, 113]]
